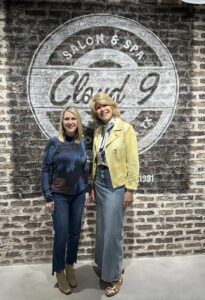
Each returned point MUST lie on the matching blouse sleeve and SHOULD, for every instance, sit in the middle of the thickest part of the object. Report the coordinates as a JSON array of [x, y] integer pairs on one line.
[[86, 167], [46, 173]]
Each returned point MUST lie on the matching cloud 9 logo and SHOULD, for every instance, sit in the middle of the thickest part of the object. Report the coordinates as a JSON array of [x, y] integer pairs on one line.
[[107, 53]]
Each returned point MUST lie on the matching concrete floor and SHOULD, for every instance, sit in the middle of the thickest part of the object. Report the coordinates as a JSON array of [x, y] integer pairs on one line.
[[170, 278]]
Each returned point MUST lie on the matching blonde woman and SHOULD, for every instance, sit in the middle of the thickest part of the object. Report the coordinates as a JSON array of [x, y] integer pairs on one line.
[[115, 177], [64, 185]]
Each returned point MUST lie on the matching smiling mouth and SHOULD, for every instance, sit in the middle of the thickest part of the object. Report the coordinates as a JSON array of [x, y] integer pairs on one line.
[[104, 114], [70, 127]]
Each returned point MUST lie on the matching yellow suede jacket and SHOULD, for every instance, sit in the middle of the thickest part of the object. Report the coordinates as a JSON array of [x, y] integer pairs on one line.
[[121, 155]]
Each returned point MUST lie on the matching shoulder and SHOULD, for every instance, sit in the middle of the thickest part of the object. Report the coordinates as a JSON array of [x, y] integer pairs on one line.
[[98, 130], [52, 142], [54, 139], [127, 129], [123, 124], [83, 141]]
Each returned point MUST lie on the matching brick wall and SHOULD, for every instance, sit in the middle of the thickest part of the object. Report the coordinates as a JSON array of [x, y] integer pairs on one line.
[[168, 215]]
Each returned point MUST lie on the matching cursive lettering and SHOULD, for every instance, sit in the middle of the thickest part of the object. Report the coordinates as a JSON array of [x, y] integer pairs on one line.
[[82, 92]]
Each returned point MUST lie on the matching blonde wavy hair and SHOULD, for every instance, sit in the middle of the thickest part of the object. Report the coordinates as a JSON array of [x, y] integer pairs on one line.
[[103, 99], [61, 133]]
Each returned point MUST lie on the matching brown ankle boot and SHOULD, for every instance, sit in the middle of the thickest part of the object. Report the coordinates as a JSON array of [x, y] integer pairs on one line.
[[62, 283], [70, 275]]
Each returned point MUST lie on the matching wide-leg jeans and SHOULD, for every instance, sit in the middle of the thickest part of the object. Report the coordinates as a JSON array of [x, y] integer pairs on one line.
[[67, 217], [109, 226]]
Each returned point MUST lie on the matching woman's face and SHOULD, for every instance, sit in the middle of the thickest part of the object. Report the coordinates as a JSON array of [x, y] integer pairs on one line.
[[70, 123], [104, 112]]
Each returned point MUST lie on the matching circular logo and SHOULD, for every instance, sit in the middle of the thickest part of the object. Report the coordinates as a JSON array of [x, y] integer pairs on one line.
[[102, 52]]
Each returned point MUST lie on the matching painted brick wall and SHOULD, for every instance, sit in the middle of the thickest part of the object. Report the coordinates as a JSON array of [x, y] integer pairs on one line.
[[168, 215]]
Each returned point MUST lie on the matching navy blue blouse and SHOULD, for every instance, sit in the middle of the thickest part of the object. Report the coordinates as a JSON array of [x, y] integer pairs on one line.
[[65, 168]]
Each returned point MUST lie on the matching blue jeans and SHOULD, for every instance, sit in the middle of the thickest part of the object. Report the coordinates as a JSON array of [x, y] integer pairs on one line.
[[67, 217], [109, 226]]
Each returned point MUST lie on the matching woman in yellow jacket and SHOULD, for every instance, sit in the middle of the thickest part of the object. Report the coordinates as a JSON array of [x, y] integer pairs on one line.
[[115, 178]]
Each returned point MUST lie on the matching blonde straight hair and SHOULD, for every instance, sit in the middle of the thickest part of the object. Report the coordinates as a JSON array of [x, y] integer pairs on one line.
[[62, 134], [103, 99]]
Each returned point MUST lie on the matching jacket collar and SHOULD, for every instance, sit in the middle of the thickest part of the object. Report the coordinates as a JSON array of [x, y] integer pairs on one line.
[[116, 131]]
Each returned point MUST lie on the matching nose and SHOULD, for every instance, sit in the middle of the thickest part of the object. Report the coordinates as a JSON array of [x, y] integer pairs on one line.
[[102, 108]]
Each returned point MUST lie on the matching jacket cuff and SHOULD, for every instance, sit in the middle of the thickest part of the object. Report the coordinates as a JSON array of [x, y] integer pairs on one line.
[[49, 198], [130, 190]]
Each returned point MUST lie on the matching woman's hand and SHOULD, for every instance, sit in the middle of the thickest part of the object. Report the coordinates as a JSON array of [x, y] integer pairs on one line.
[[93, 198], [128, 198], [50, 206], [86, 199]]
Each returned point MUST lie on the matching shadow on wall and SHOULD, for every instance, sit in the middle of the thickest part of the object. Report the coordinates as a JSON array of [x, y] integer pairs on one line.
[[166, 163]]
